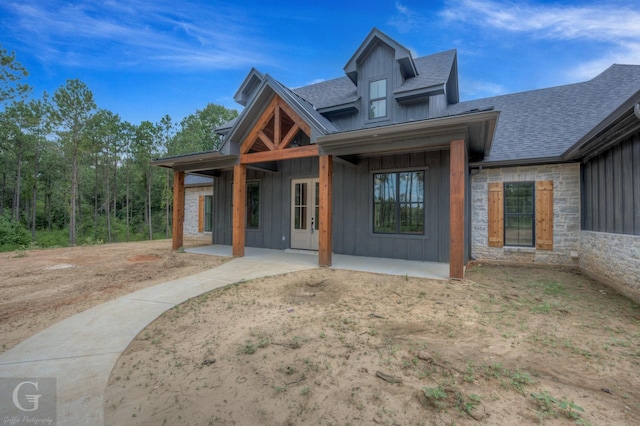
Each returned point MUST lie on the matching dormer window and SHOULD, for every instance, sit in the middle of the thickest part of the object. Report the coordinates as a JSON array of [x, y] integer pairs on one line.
[[378, 98]]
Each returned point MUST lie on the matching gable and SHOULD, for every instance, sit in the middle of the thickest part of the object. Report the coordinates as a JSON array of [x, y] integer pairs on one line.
[[401, 55]]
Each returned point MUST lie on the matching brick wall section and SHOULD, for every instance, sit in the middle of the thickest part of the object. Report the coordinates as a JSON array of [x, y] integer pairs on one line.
[[191, 196], [566, 214], [613, 259]]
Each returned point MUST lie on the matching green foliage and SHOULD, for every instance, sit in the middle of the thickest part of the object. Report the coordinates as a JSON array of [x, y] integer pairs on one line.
[[436, 396], [12, 234], [197, 131], [74, 172], [11, 73]]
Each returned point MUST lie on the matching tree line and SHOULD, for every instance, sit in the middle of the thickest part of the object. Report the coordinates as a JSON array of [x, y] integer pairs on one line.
[[73, 173]]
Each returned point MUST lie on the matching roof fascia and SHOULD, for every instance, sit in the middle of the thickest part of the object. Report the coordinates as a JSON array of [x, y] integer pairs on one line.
[[415, 95], [518, 162], [192, 163], [453, 93], [593, 140], [420, 134], [402, 55]]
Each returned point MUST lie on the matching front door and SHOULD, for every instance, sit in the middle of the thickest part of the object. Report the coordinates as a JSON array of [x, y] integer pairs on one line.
[[304, 213]]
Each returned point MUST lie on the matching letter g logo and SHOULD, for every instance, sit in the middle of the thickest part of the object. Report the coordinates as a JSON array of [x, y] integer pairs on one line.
[[30, 398]]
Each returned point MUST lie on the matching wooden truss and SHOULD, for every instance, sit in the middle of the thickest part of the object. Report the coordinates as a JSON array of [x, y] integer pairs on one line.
[[273, 134]]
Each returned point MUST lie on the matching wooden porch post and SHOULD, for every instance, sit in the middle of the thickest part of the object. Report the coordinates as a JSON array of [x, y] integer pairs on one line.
[[326, 208], [239, 208], [456, 209], [177, 230]]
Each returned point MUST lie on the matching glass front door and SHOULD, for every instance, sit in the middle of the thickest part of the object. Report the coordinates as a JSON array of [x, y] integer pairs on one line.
[[305, 202]]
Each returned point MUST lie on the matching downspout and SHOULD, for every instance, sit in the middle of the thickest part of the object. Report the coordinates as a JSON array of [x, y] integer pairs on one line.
[[636, 110]]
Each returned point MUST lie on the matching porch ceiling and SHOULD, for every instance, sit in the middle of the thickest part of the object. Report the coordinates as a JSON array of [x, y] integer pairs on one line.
[[475, 128]]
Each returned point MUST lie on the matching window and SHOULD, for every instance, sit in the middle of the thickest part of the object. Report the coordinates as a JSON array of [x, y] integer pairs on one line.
[[253, 204], [378, 99], [398, 202], [521, 214], [208, 213], [518, 214]]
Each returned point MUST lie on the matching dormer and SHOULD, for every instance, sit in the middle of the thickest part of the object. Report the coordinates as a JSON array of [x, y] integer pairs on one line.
[[248, 87], [402, 55]]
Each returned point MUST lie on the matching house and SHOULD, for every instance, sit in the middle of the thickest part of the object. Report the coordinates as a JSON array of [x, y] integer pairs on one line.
[[386, 161], [198, 206]]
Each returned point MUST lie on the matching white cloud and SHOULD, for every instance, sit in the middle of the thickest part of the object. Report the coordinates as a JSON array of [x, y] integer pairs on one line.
[[605, 22], [405, 19], [154, 34], [627, 53], [614, 24]]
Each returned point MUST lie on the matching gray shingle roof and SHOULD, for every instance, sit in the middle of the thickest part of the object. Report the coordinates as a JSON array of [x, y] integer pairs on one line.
[[329, 93], [432, 71], [545, 123]]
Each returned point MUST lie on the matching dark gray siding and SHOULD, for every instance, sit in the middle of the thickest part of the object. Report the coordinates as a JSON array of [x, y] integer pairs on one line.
[[275, 204], [611, 190], [380, 63], [352, 207]]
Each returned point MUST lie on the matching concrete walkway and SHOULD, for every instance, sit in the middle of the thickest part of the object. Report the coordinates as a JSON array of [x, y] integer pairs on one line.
[[81, 351]]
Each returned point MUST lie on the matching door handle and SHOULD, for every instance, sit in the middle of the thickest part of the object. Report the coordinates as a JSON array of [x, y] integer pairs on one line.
[[312, 225]]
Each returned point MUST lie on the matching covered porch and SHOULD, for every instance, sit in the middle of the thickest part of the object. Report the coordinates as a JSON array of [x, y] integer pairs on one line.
[[282, 143], [377, 265]]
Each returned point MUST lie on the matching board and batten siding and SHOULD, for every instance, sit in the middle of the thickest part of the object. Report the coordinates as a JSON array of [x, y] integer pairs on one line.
[[610, 237], [353, 217], [352, 207], [611, 190]]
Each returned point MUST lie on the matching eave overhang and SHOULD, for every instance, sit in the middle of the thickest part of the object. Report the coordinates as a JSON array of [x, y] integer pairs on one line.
[[618, 126], [417, 95], [345, 108], [476, 128], [200, 163]]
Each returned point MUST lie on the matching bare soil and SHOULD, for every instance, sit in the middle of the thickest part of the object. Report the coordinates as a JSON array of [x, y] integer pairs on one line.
[[507, 346], [41, 287]]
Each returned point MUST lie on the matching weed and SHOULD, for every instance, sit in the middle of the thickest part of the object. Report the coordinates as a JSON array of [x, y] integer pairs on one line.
[[280, 389], [305, 390], [296, 342], [468, 404], [550, 406], [436, 396], [248, 348]]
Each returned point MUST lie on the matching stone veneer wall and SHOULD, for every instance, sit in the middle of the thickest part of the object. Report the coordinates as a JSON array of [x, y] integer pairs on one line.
[[613, 259], [566, 214], [191, 196]]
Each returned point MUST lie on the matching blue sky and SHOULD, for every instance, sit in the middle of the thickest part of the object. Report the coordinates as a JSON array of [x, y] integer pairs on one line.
[[144, 59]]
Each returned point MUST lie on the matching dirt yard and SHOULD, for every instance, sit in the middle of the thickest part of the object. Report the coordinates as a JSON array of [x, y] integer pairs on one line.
[[41, 287], [507, 346]]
